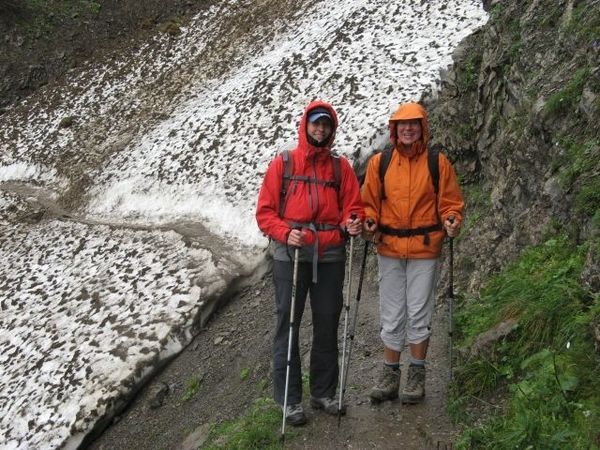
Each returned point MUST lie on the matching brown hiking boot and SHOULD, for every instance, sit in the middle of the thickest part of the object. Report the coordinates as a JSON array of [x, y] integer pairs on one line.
[[414, 391], [388, 385]]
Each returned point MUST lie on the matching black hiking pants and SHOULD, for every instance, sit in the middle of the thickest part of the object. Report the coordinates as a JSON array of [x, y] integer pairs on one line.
[[326, 302]]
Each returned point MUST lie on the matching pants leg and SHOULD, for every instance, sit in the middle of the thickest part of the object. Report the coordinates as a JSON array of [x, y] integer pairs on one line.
[[283, 278], [407, 299], [392, 301], [422, 278], [326, 300]]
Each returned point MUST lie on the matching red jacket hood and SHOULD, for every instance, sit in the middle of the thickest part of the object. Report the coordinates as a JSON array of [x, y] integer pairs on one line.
[[303, 145]]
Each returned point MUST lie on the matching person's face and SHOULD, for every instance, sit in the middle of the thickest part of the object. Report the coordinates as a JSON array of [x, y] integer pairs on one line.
[[408, 131], [320, 129]]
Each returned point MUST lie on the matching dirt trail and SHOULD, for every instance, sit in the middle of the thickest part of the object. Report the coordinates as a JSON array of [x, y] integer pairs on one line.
[[240, 337]]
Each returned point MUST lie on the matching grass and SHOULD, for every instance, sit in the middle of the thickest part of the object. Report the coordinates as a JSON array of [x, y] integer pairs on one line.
[[479, 203], [470, 75], [580, 175], [547, 365], [193, 386], [244, 373], [260, 429], [565, 100]]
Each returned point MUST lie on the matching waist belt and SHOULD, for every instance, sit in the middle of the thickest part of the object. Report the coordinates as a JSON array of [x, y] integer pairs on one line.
[[407, 232], [324, 227], [315, 227]]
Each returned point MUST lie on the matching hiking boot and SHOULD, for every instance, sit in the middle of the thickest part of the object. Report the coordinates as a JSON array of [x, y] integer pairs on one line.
[[414, 391], [328, 404], [388, 385], [294, 415]]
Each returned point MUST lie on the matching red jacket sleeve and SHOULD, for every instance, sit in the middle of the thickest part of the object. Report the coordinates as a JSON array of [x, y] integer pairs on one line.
[[267, 209]]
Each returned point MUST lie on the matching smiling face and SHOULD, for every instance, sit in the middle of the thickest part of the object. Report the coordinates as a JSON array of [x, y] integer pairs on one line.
[[408, 131], [320, 129]]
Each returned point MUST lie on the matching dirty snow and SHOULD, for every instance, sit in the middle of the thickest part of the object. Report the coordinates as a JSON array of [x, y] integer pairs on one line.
[[173, 141]]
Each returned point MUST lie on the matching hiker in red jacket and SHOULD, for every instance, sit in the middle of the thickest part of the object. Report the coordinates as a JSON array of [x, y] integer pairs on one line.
[[316, 215], [409, 226]]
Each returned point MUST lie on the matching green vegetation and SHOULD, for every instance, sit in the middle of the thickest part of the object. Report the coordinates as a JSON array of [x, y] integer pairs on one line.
[[583, 24], [479, 206], [496, 12], [193, 386], [244, 374], [547, 364], [535, 382], [515, 32], [258, 430], [470, 74], [580, 175], [262, 385], [306, 383], [565, 101]]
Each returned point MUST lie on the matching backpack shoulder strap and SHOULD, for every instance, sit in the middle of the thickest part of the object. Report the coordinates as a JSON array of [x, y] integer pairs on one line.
[[337, 176], [288, 175], [433, 162], [384, 162], [285, 181], [337, 170]]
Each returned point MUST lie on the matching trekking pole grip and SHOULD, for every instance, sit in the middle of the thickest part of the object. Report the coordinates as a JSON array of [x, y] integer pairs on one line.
[[353, 216]]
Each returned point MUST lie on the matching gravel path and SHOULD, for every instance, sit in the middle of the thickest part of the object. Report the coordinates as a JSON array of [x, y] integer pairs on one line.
[[239, 337]]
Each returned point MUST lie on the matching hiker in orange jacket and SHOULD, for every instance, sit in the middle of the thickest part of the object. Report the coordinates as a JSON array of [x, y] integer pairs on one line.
[[409, 227], [315, 215]]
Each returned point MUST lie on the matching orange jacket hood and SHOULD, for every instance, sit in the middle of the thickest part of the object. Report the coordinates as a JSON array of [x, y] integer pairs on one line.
[[410, 111]]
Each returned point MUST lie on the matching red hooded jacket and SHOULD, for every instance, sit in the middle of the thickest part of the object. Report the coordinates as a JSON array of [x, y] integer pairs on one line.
[[312, 206]]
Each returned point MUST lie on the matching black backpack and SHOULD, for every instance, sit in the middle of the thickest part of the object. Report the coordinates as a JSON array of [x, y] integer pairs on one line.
[[433, 162], [288, 176]]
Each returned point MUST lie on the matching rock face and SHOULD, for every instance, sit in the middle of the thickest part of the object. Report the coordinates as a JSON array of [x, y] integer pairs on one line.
[[519, 104]]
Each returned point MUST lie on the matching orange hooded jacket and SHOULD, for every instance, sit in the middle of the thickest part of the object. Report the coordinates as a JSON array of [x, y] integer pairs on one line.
[[307, 204], [411, 200]]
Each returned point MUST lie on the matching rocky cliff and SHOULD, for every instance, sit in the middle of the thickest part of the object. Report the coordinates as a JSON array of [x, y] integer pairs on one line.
[[518, 114]]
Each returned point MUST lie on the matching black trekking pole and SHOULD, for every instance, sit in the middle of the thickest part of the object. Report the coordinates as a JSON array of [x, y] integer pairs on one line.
[[451, 295], [289, 353], [347, 309], [353, 331]]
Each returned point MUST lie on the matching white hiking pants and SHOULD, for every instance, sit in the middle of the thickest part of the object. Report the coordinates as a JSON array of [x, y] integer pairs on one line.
[[406, 300]]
